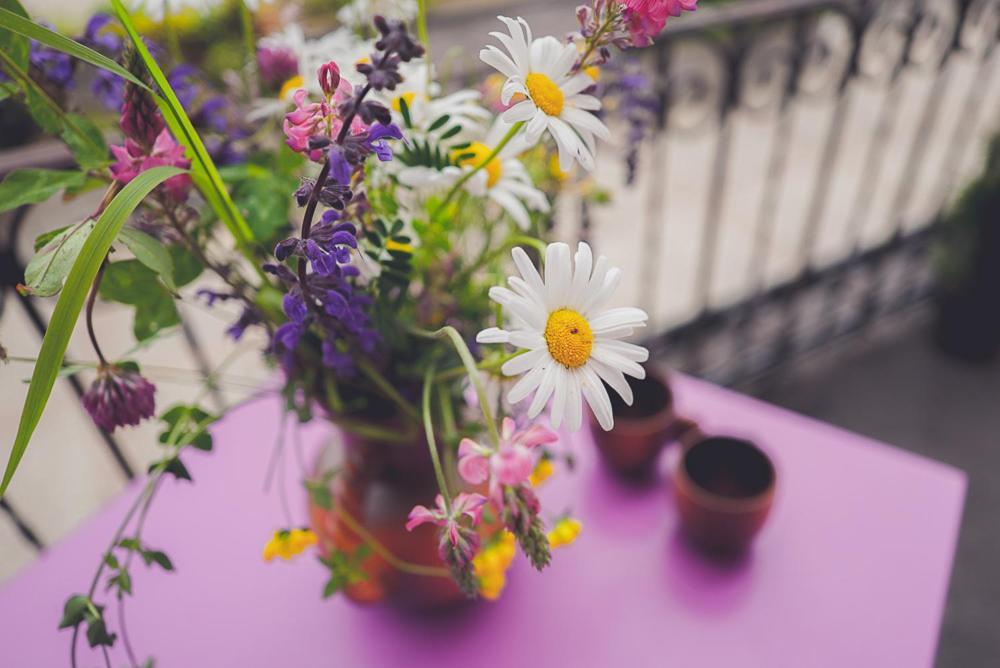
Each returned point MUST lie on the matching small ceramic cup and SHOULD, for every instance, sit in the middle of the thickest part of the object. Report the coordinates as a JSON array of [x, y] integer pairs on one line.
[[641, 430], [724, 488]]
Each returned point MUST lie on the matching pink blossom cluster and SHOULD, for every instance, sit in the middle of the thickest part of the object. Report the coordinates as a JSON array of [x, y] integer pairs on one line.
[[646, 18], [311, 118], [131, 159]]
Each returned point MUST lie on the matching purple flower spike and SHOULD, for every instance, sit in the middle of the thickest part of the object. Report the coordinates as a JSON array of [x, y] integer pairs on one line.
[[119, 397]]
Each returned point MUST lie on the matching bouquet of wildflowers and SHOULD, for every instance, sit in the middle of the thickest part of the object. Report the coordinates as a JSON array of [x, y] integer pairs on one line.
[[363, 215]]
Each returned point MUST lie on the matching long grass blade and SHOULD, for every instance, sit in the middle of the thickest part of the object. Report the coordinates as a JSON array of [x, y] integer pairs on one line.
[[71, 300]]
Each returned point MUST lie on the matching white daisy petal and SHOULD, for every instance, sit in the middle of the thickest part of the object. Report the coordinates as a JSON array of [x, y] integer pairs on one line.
[[559, 396], [614, 378], [528, 272], [522, 111], [544, 389], [626, 316], [525, 385], [498, 60], [522, 363], [587, 121], [557, 275], [493, 335], [614, 360], [585, 102], [574, 402], [597, 397], [512, 206], [581, 275], [627, 350], [599, 296], [529, 340]]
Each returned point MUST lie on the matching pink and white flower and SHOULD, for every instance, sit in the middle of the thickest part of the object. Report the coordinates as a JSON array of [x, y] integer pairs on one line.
[[509, 464], [311, 118], [468, 505]]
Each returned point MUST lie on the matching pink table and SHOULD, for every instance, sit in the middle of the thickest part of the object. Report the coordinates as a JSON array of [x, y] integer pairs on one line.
[[852, 570]]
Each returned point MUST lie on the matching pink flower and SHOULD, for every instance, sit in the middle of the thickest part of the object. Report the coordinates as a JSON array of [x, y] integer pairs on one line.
[[132, 160], [309, 118], [469, 505], [509, 464], [646, 18]]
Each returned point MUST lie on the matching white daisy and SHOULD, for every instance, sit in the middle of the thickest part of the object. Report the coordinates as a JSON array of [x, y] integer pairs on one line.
[[542, 71], [504, 179], [426, 108], [573, 342]]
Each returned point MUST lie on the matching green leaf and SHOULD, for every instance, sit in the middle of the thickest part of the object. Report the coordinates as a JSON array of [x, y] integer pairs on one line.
[[16, 46], [86, 142], [185, 425], [151, 252], [70, 303], [174, 467], [44, 238], [204, 173], [439, 123], [47, 270], [186, 266], [131, 282], [122, 582], [25, 26], [159, 558], [30, 186], [97, 633], [74, 611]]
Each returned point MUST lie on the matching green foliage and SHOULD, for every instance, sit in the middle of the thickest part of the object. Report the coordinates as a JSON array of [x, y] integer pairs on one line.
[[261, 190], [185, 425], [30, 186], [187, 267], [133, 283], [151, 252], [14, 45], [80, 609], [46, 272], [86, 142], [319, 489], [172, 466], [70, 303], [345, 569]]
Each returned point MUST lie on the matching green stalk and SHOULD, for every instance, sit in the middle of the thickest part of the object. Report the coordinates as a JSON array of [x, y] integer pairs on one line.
[[431, 442], [386, 387], [470, 367], [424, 38], [514, 129]]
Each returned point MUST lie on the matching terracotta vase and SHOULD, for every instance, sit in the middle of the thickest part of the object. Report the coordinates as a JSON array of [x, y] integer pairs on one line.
[[641, 430], [377, 484]]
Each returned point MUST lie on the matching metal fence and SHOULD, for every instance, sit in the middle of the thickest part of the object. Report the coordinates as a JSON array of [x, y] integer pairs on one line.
[[804, 224], [897, 99]]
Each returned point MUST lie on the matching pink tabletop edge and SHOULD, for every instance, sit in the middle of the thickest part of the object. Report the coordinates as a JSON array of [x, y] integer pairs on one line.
[[809, 594]]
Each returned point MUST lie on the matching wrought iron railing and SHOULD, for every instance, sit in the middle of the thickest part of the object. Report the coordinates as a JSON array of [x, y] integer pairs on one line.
[[833, 237]]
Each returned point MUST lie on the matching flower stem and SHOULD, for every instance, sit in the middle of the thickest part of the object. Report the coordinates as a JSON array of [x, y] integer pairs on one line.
[[384, 552], [595, 40], [470, 367], [431, 442], [373, 374], [514, 129], [249, 43], [424, 38], [91, 298]]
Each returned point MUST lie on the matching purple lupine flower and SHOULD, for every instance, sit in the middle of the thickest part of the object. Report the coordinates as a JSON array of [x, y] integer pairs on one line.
[[119, 397], [376, 140], [96, 37], [633, 94], [108, 88], [55, 66]]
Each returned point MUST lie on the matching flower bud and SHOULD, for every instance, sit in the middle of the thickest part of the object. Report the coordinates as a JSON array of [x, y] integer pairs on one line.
[[329, 78]]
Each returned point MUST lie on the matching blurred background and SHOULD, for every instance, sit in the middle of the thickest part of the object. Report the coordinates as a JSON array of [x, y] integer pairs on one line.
[[815, 221]]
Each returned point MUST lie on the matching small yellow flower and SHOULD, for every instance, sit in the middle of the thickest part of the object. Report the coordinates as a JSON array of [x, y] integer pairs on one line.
[[491, 565], [290, 86], [288, 543], [397, 102], [564, 532], [556, 171], [541, 473], [396, 246], [594, 72]]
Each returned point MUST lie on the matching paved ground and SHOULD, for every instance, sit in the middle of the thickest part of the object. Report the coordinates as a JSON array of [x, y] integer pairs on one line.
[[902, 390]]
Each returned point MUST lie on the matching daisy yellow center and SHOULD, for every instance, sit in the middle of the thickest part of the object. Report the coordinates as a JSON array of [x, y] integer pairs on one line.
[[569, 338], [545, 93], [475, 153], [290, 87], [397, 105]]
